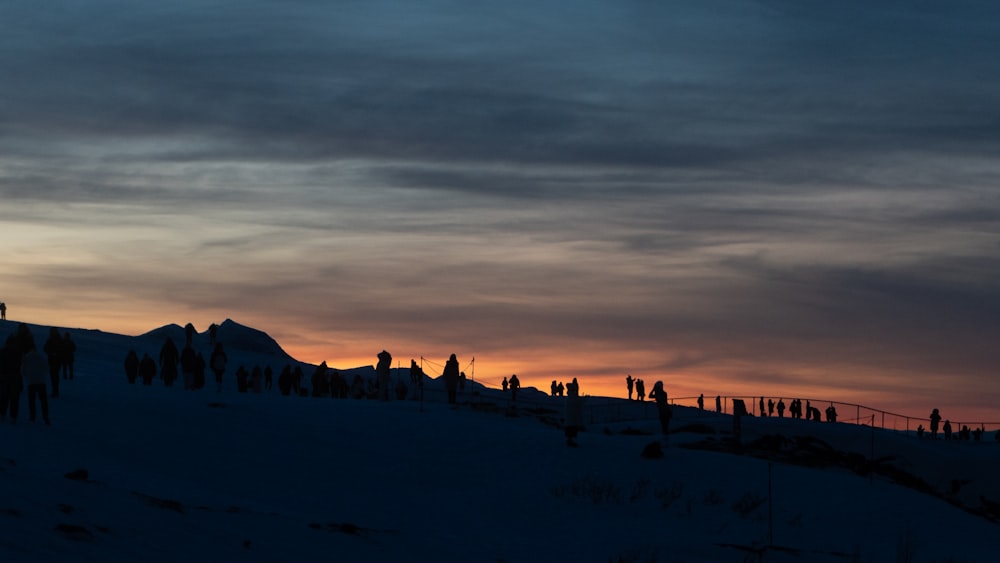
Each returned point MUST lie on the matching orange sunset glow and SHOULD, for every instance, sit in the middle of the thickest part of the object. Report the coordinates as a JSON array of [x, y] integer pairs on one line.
[[756, 201]]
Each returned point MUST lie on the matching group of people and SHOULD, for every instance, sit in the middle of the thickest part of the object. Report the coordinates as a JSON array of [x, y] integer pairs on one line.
[[964, 433], [638, 385], [187, 363], [795, 410], [23, 365], [190, 365]]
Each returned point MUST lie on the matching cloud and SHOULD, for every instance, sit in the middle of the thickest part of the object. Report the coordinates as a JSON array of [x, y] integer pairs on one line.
[[753, 191]]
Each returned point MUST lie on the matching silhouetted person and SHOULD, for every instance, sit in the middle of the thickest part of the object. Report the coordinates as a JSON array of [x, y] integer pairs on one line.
[[718, 403], [640, 389], [451, 378], [357, 387], [659, 395], [504, 384], [762, 412], [977, 435], [384, 373], [935, 422], [515, 385], [53, 350], [147, 369], [257, 380], [920, 431], [217, 362], [947, 430], [213, 330], [770, 407], [18, 345], [285, 380], [781, 408], [189, 332], [3, 311], [169, 357], [574, 412], [554, 389], [831, 413], [34, 370], [629, 384], [461, 381], [561, 388], [416, 373], [297, 381], [199, 370], [189, 364], [338, 385], [241, 379], [68, 356], [319, 380], [573, 388], [10, 380], [131, 366], [701, 401]]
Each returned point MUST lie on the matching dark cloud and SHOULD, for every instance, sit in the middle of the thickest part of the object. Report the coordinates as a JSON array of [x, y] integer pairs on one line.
[[748, 188], [797, 83]]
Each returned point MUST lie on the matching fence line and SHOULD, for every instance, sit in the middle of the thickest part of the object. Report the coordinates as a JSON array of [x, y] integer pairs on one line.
[[601, 409]]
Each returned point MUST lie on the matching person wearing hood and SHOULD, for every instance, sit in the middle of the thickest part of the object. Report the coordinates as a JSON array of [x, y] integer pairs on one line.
[[34, 372]]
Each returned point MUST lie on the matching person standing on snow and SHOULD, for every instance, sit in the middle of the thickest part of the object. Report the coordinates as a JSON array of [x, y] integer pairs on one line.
[[147, 369], [384, 374], [574, 413], [935, 421], [218, 364], [10, 381], [662, 407], [451, 378], [34, 371], [131, 366], [189, 364], [515, 384], [68, 356], [54, 350]]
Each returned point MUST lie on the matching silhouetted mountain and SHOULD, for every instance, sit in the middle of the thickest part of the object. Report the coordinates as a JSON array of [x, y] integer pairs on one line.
[[233, 335]]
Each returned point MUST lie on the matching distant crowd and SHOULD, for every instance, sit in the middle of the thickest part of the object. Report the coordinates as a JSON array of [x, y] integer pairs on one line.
[[189, 366], [41, 371]]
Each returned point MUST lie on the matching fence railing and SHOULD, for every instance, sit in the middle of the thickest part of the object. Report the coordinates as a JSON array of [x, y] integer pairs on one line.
[[599, 409]]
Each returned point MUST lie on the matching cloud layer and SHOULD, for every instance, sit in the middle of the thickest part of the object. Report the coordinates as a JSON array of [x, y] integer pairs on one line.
[[753, 196]]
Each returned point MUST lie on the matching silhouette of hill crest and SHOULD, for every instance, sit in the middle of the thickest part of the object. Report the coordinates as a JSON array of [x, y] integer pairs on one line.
[[233, 335]]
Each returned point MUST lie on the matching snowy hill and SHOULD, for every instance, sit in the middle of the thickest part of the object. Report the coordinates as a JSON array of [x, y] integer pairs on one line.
[[150, 473]]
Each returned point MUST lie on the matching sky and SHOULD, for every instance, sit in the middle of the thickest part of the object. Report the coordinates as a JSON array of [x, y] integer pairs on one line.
[[737, 197]]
